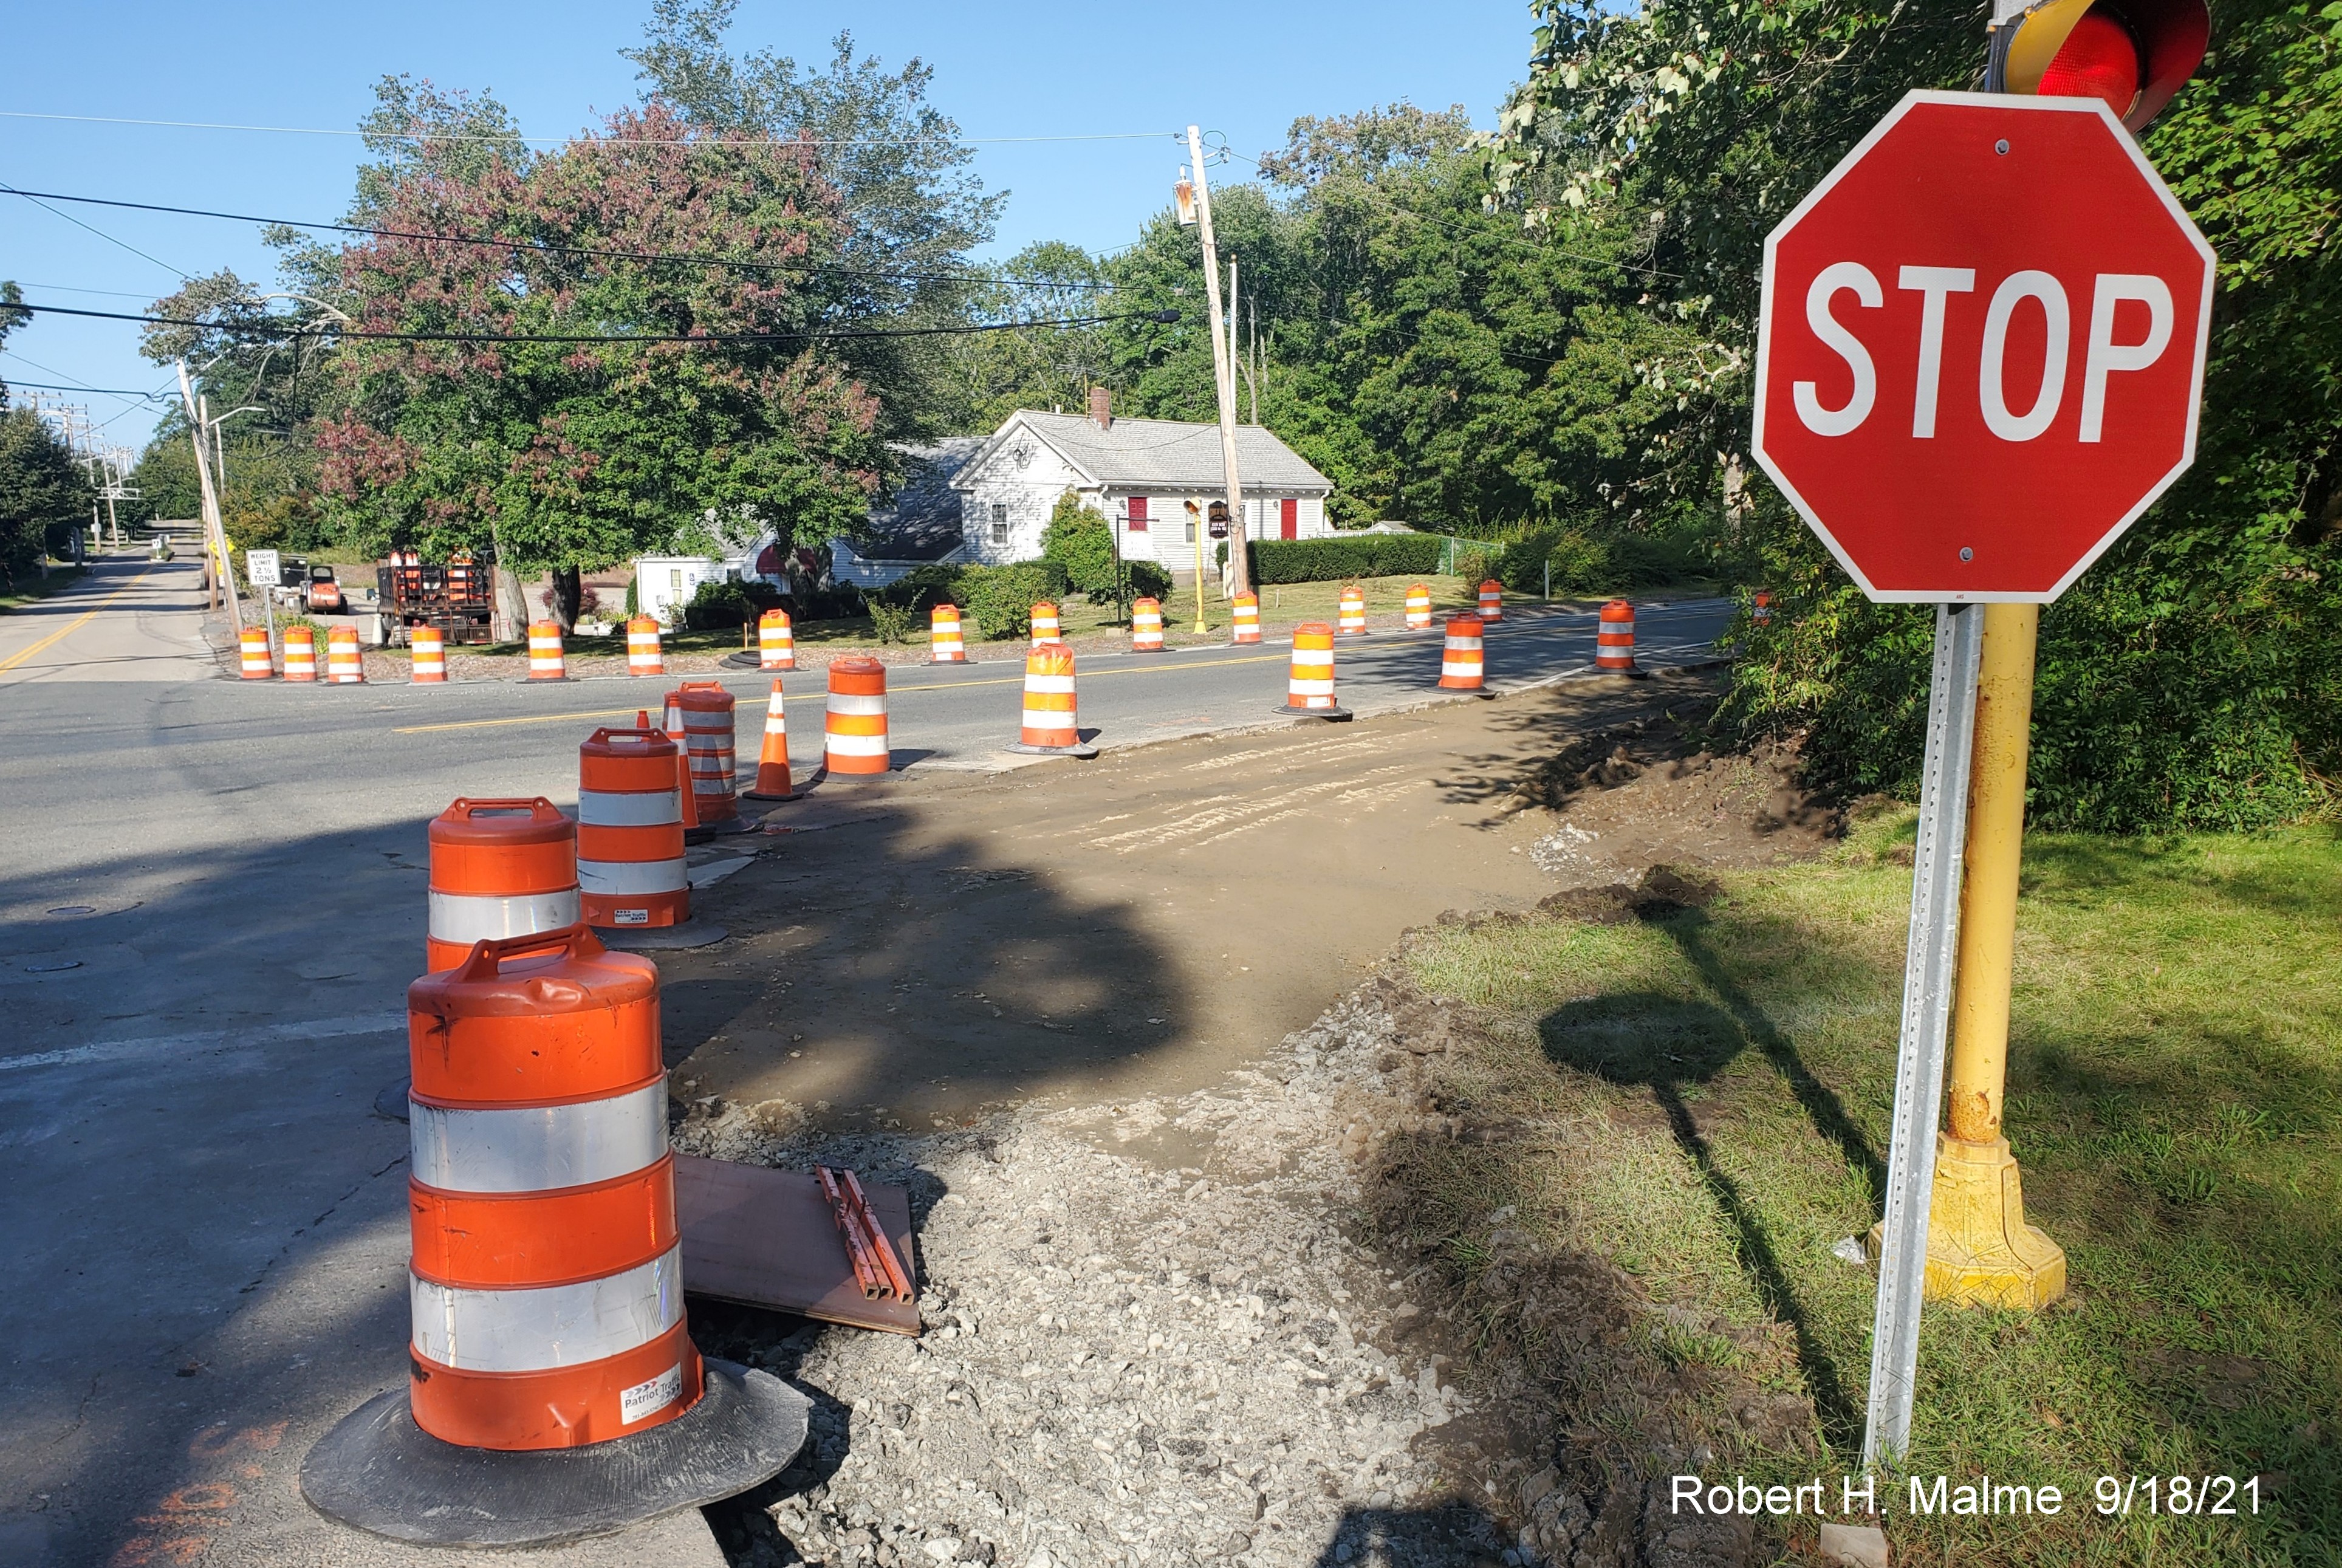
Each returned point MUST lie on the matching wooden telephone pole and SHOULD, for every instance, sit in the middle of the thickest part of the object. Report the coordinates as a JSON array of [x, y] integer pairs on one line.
[[1223, 372]]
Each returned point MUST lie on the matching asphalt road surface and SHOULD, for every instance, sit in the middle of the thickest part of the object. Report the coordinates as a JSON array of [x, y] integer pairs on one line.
[[211, 901]]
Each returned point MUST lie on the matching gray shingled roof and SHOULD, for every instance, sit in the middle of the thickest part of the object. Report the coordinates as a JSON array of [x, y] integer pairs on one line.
[[923, 521], [1145, 454]]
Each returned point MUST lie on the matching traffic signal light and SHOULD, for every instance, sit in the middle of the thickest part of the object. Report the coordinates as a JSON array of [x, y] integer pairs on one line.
[[2133, 54]]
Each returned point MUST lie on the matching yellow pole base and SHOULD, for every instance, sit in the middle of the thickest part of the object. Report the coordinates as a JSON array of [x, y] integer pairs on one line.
[[1980, 1251]]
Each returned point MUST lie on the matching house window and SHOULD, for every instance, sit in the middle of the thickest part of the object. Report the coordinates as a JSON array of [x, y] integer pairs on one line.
[[1138, 515], [1000, 523]]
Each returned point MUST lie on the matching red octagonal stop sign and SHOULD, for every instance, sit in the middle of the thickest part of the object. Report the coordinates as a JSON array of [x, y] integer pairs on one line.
[[1982, 347]]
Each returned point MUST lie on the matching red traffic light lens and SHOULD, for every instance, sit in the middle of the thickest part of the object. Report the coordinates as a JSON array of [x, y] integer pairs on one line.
[[2099, 59]]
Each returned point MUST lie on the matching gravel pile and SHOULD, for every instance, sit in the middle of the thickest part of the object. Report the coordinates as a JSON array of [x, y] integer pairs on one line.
[[1135, 1360]]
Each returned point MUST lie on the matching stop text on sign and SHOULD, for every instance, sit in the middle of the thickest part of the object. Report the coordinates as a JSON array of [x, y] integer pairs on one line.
[[2103, 357], [1982, 347]]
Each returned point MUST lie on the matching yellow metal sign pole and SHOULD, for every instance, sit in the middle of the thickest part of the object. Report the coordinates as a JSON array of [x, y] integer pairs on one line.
[[1979, 1248]]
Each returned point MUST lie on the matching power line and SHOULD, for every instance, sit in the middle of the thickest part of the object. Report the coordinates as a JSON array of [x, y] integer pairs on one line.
[[494, 242], [606, 141], [54, 386], [327, 329], [108, 238]]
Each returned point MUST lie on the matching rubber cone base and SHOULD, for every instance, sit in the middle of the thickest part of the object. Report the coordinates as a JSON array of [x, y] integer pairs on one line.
[[684, 934], [380, 1472], [1019, 747], [1331, 715], [760, 795]]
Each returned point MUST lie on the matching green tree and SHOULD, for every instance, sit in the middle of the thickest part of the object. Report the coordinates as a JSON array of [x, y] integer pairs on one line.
[[44, 492]]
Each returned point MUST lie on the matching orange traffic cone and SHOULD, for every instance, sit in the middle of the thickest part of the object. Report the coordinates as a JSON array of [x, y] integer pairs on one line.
[[773, 781]]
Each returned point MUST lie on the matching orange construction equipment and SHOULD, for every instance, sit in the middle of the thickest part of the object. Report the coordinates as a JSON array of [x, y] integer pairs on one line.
[[776, 646], [1051, 728], [944, 645], [1146, 626], [1419, 608], [300, 653], [1353, 619], [344, 666], [1614, 644], [1762, 611], [252, 641], [1461, 664], [854, 738], [709, 742], [1492, 602], [630, 867], [546, 1272], [1045, 623], [643, 647], [426, 648], [545, 657], [773, 781], [499, 868], [1309, 687], [1244, 619]]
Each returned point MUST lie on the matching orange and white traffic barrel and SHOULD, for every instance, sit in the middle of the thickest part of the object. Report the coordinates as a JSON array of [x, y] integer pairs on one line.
[[1146, 626], [545, 1279], [1309, 686], [706, 711], [1492, 602], [944, 643], [775, 642], [253, 644], [1462, 666], [344, 666], [643, 647], [1352, 622], [1614, 643], [1051, 726], [1045, 623], [773, 781], [546, 662], [426, 648], [499, 868], [1419, 608], [1244, 619], [630, 865], [854, 737], [1762, 611], [300, 653]]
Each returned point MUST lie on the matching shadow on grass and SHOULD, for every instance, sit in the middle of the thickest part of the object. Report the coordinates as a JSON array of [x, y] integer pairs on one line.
[[1666, 1044]]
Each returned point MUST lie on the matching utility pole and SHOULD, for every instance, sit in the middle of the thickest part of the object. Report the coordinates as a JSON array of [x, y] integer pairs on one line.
[[1223, 375], [214, 531]]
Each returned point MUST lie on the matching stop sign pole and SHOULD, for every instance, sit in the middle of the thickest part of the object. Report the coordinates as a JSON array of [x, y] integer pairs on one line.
[[1979, 360]]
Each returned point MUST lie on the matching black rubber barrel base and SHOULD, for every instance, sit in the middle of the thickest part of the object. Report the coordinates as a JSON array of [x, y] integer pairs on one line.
[[1330, 715], [380, 1472], [1019, 747]]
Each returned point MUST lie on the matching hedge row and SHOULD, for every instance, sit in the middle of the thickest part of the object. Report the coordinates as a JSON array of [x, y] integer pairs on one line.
[[1335, 560]]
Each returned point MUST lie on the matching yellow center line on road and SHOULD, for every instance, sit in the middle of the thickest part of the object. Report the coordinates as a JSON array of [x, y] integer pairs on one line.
[[70, 627], [891, 691]]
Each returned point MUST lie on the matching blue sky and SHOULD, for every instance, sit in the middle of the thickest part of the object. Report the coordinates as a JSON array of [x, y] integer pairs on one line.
[[1034, 69]]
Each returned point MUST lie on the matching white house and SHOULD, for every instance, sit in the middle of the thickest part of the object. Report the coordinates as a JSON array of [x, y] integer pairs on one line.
[[1154, 478]]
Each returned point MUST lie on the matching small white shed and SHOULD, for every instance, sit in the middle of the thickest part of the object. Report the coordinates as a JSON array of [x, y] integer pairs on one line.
[[664, 585]]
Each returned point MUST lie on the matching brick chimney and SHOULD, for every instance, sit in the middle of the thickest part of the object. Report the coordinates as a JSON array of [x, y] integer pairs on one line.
[[1101, 408]]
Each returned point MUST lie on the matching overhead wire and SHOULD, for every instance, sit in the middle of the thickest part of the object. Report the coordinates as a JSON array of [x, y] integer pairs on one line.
[[516, 138], [495, 242], [283, 328]]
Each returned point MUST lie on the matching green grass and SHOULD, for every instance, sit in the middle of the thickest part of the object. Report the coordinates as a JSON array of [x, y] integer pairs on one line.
[[2175, 1099], [31, 587]]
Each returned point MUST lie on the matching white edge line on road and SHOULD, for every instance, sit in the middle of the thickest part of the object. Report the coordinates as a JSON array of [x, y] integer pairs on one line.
[[265, 1034]]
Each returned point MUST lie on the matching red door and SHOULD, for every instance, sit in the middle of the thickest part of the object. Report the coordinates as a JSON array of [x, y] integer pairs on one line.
[[1289, 519]]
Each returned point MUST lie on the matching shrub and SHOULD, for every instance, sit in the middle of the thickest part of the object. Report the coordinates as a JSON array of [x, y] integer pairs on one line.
[[1479, 563], [721, 601], [924, 587], [1579, 563], [1337, 560], [1001, 598], [1080, 541], [892, 623], [1146, 579]]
